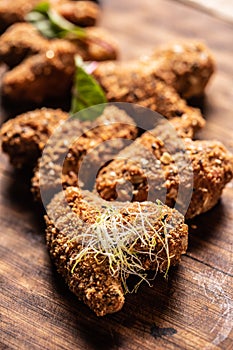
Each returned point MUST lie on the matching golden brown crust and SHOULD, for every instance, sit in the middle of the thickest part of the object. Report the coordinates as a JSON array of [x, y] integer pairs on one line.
[[187, 66], [49, 73], [14, 11], [45, 75], [93, 283], [83, 13], [81, 144], [212, 168], [23, 39], [151, 165], [138, 84], [19, 41], [24, 137]]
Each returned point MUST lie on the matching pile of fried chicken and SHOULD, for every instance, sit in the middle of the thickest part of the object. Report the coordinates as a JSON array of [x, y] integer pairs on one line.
[[40, 68]]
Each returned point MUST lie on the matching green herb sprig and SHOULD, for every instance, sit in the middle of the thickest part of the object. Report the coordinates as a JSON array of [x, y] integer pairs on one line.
[[52, 25], [86, 92]]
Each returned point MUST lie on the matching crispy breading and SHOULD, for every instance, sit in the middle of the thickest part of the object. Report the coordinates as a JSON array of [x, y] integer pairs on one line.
[[154, 164], [25, 133], [27, 82], [185, 65], [88, 151], [20, 41], [138, 84], [42, 76], [23, 39], [14, 11], [66, 150], [83, 13], [135, 83], [24, 137], [92, 280]]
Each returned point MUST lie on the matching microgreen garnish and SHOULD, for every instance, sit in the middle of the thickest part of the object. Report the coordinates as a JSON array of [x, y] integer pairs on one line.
[[125, 241]]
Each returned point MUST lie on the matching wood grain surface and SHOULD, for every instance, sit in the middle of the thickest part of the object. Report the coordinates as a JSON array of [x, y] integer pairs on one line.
[[193, 309], [219, 8]]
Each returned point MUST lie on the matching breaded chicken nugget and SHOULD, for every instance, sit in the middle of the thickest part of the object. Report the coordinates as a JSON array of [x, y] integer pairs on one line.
[[24, 137], [83, 13], [23, 39], [187, 66], [20, 41], [14, 11], [155, 166], [42, 76], [96, 271], [25, 133], [65, 151]]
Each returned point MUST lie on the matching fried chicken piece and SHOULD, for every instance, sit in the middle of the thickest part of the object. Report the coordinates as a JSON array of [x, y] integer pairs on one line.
[[83, 13], [78, 165], [25, 133], [14, 11], [138, 84], [187, 66], [24, 137], [23, 39], [66, 149], [91, 278], [19, 41], [42, 76], [156, 165], [27, 82]]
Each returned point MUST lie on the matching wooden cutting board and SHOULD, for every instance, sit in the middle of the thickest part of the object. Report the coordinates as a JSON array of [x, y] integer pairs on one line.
[[193, 309]]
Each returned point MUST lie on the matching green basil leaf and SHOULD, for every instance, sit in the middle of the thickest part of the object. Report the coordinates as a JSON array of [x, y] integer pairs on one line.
[[42, 7], [52, 25], [86, 93]]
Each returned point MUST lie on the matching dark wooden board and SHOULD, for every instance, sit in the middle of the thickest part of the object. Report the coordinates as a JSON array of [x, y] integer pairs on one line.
[[193, 309]]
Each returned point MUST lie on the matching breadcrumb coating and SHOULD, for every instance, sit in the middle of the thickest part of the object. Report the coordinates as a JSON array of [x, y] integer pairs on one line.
[[24, 137], [83, 13], [187, 66], [22, 40], [138, 84], [154, 164], [67, 150], [42, 76], [14, 11], [89, 151], [90, 279]]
